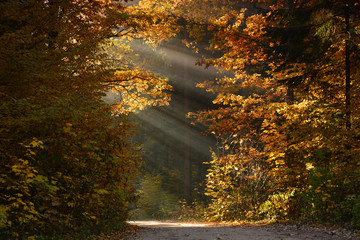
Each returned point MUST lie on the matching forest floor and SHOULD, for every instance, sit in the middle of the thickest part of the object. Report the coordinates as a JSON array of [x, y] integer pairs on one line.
[[160, 230]]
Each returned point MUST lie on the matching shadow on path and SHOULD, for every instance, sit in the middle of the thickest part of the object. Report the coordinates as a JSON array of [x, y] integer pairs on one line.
[[158, 230]]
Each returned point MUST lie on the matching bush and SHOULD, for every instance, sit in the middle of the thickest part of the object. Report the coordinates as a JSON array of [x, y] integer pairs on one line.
[[237, 187], [275, 208], [330, 198], [76, 178], [348, 211], [190, 212], [153, 200]]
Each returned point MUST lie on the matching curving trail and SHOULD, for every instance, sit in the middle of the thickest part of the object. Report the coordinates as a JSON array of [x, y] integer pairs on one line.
[[157, 230]]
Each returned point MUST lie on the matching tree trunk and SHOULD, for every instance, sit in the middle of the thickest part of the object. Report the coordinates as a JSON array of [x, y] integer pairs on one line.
[[347, 68], [187, 164]]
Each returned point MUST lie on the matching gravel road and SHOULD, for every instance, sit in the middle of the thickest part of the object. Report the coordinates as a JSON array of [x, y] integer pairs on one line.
[[156, 230]]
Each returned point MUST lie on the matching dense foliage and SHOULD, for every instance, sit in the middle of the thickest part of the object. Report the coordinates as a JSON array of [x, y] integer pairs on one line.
[[287, 117], [285, 114], [66, 157]]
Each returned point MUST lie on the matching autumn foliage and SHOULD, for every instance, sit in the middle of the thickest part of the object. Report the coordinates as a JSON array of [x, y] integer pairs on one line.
[[67, 158], [285, 114]]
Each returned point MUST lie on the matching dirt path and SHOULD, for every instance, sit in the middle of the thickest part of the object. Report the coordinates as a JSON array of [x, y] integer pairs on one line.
[[155, 230]]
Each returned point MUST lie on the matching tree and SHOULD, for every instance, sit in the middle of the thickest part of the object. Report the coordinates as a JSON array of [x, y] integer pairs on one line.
[[67, 159], [287, 96]]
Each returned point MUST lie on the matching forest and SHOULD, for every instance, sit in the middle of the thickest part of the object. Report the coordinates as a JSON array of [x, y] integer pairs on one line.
[[207, 110]]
